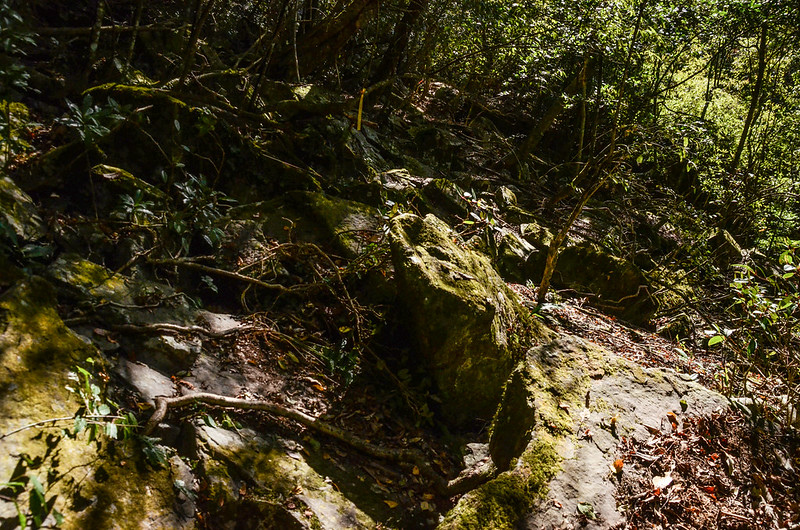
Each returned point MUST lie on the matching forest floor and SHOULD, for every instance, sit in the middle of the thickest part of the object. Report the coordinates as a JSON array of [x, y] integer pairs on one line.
[[707, 471]]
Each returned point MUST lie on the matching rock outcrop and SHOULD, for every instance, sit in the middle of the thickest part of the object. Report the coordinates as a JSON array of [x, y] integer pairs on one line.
[[468, 326], [586, 399]]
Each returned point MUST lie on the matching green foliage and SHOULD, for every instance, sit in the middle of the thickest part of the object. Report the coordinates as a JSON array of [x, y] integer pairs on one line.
[[92, 122], [95, 415], [200, 208], [39, 507], [13, 37], [135, 209], [767, 309]]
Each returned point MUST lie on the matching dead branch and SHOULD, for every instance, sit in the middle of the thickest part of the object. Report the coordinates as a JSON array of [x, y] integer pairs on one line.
[[76, 32]]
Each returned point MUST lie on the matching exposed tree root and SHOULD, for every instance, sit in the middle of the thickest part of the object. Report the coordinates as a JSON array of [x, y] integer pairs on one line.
[[464, 482], [166, 327]]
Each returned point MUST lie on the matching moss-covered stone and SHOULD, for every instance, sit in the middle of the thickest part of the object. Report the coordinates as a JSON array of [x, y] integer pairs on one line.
[[346, 226], [94, 485], [618, 285], [469, 328], [237, 462], [497, 505], [18, 213], [514, 420]]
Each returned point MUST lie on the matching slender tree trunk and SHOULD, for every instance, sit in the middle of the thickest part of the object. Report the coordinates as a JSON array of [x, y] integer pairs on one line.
[[191, 47], [325, 41], [537, 133], [94, 41], [400, 38], [598, 99], [582, 115], [602, 175], [137, 20], [265, 60], [555, 244], [755, 99], [7, 116]]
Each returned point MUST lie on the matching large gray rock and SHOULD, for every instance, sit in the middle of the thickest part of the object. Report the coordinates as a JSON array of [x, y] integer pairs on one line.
[[586, 399], [469, 328]]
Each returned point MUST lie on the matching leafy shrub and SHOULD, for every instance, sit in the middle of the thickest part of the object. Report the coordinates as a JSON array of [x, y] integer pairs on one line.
[[765, 344]]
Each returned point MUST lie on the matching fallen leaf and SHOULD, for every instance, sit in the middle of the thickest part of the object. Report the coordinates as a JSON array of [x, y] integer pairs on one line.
[[425, 506], [672, 417], [415, 471], [391, 504], [427, 496], [618, 463], [661, 483]]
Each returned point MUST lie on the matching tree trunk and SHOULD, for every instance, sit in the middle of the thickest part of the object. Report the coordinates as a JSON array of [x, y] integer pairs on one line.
[[755, 99], [94, 41], [589, 191], [397, 46], [324, 42], [137, 20], [582, 116], [191, 47], [544, 124]]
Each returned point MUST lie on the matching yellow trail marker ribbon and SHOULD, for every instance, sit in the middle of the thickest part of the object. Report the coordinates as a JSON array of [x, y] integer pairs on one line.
[[360, 108]]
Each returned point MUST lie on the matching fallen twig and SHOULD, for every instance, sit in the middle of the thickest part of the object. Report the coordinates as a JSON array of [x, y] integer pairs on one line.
[[54, 420]]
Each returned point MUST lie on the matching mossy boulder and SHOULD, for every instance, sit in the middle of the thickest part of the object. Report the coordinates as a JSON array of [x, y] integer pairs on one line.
[[444, 197], [344, 226], [509, 253], [114, 299], [726, 251], [19, 219], [246, 461], [617, 285], [497, 505], [469, 328], [514, 420], [503, 502], [93, 485]]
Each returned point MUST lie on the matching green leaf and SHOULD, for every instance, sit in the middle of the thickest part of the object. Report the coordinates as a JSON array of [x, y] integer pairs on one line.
[[111, 430], [23, 521], [38, 506], [80, 425], [587, 509], [716, 339], [37, 485]]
